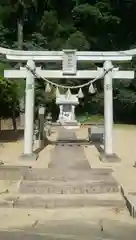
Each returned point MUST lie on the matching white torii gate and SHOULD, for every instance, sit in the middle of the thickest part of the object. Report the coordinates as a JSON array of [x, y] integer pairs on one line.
[[29, 96], [69, 59]]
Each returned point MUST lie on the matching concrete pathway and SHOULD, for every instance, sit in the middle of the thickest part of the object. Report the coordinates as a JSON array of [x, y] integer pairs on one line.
[[73, 224], [95, 224], [68, 156]]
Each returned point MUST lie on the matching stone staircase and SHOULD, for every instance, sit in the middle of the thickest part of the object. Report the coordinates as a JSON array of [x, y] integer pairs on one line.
[[69, 181], [57, 188]]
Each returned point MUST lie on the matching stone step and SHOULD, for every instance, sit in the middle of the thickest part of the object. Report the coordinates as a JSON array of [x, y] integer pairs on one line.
[[24, 172], [67, 175], [70, 123], [12, 172], [72, 143], [71, 187], [113, 200]]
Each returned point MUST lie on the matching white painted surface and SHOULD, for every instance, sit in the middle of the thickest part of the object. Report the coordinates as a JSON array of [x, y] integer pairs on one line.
[[108, 102], [67, 107], [72, 127], [123, 74], [54, 58], [40, 58], [19, 53], [72, 99], [66, 114], [29, 110], [53, 74], [69, 62], [8, 51], [15, 73], [41, 110], [119, 74], [58, 55], [73, 112], [108, 109]]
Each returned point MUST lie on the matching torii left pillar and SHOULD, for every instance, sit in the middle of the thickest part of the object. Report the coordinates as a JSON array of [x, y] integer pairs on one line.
[[29, 114], [29, 107]]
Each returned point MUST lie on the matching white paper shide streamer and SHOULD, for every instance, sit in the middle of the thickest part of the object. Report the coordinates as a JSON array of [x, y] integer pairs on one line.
[[80, 93], [57, 92], [91, 88], [68, 93], [48, 88]]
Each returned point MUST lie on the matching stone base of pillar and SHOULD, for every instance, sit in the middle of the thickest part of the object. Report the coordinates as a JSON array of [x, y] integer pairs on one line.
[[29, 157], [134, 165], [41, 144], [22, 119], [109, 157]]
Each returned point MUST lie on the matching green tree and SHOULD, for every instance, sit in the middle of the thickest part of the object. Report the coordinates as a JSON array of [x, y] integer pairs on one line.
[[78, 24], [9, 99], [77, 41]]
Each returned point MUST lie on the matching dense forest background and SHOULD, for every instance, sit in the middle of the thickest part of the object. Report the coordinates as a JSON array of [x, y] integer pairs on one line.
[[78, 24]]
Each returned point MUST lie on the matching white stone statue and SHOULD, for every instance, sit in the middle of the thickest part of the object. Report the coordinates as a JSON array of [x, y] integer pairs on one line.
[[67, 106]]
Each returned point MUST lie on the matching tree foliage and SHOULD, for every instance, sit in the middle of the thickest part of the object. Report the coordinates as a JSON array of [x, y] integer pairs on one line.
[[9, 99], [78, 24]]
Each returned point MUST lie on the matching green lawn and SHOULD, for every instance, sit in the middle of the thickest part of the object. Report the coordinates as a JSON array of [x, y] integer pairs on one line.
[[126, 126], [91, 119], [100, 119]]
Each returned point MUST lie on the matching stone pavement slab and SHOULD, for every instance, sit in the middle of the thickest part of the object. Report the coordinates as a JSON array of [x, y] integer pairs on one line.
[[66, 224], [35, 201], [95, 223], [124, 145], [68, 157]]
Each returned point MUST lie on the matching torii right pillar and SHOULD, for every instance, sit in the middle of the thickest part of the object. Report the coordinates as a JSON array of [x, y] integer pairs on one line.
[[112, 73]]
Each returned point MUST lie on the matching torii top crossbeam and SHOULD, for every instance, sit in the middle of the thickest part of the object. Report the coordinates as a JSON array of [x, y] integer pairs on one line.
[[21, 55]]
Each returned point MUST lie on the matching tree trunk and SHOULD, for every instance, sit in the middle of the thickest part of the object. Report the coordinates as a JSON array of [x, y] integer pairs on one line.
[[0, 123], [14, 120], [20, 46], [22, 110], [20, 33]]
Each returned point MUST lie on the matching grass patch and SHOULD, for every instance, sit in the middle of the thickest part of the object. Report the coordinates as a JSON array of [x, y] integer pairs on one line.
[[91, 119], [125, 126], [100, 119]]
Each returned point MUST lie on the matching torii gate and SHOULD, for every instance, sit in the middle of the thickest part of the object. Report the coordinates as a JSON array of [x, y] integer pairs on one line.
[[69, 59]]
